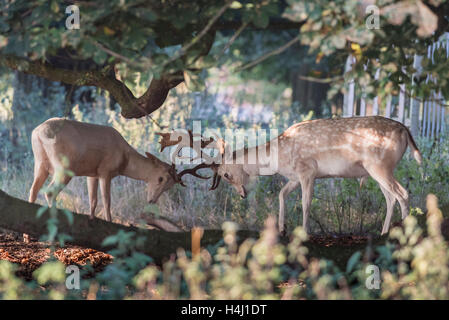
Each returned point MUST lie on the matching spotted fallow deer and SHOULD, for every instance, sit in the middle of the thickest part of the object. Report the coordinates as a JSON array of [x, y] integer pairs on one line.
[[355, 147], [100, 153]]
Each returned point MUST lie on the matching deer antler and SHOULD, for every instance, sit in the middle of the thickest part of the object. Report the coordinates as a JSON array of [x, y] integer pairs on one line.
[[215, 181], [166, 141], [185, 140], [193, 172]]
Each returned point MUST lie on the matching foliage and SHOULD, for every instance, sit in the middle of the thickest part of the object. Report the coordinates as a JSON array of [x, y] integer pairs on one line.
[[155, 37], [126, 38], [404, 29], [260, 268]]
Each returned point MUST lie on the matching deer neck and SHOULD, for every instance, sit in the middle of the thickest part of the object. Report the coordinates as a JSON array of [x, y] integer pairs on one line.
[[139, 167]]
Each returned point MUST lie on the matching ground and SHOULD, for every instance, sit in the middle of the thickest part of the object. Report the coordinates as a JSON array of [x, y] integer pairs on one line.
[[30, 256]]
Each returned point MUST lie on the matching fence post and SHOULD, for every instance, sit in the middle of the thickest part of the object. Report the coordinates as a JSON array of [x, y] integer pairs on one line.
[[348, 100], [414, 103], [376, 98], [424, 119], [388, 107], [443, 124], [434, 111], [438, 112], [362, 106], [429, 113], [401, 104], [363, 99]]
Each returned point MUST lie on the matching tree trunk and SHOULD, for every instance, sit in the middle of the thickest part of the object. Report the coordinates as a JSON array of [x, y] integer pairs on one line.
[[23, 85], [20, 216], [308, 95]]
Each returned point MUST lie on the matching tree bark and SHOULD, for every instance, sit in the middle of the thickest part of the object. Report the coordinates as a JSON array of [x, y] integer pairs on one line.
[[20, 216]]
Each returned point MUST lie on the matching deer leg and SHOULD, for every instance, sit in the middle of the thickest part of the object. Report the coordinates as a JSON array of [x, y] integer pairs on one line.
[[40, 175], [307, 194], [105, 188], [289, 187], [92, 188], [391, 200], [403, 200], [386, 180]]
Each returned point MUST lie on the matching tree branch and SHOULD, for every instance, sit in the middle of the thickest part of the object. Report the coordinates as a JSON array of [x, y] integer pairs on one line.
[[269, 54], [234, 37], [131, 106], [200, 35]]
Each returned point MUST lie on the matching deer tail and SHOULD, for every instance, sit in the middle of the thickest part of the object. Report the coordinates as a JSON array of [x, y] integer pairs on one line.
[[415, 151]]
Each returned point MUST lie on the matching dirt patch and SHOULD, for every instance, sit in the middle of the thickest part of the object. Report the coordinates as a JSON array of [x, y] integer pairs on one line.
[[30, 256]]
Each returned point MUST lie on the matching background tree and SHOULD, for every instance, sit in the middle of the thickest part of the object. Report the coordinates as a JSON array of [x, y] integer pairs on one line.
[[168, 41]]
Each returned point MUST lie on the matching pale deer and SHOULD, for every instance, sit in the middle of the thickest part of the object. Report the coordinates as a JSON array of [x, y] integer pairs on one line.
[[356, 147], [100, 153]]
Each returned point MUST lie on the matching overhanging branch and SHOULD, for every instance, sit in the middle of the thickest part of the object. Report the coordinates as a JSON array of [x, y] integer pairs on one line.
[[131, 106]]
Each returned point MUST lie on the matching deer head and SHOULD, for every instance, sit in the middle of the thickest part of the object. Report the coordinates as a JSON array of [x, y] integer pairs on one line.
[[184, 140], [230, 172], [160, 182]]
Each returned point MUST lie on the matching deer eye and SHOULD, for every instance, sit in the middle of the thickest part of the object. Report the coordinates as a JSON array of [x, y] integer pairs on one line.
[[161, 179], [226, 176]]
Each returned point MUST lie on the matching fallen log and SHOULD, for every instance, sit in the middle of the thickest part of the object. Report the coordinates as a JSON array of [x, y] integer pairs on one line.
[[20, 216]]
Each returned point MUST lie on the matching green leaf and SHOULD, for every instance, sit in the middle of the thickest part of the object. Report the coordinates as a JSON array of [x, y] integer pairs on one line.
[[110, 241], [52, 230], [193, 81], [145, 14], [69, 216], [236, 5], [41, 211], [62, 238], [4, 27], [261, 20], [352, 262], [54, 6], [205, 62], [339, 41], [50, 272]]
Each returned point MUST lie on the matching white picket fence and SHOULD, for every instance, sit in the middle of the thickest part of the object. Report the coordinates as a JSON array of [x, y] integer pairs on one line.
[[425, 118]]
